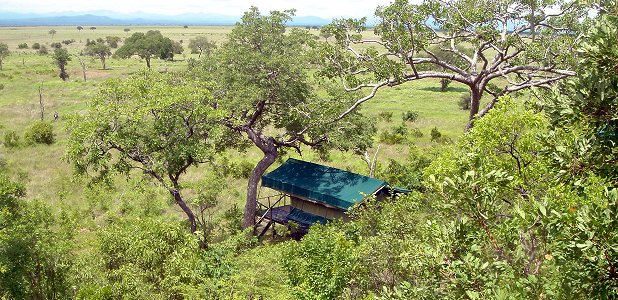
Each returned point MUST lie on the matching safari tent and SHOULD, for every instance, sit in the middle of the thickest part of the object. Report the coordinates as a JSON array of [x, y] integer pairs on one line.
[[310, 193]]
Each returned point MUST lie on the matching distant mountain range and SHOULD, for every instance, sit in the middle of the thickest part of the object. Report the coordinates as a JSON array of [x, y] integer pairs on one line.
[[102, 18]]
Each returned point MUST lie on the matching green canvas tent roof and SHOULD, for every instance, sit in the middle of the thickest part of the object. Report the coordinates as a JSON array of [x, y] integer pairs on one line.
[[319, 183]]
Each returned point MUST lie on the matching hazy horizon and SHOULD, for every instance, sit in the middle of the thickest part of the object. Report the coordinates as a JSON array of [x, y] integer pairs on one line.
[[322, 9]]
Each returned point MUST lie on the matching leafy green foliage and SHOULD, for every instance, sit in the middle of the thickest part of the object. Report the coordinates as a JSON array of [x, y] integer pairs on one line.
[[61, 58], [321, 265], [140, 266], [34, 253], [11, 139], [201, 44], [410, 116], [586, 107], [99, 50], [396, 135], [39, 132], [146, 46], [407, 174]]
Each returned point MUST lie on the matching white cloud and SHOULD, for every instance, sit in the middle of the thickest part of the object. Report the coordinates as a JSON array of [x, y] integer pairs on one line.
[[348, 8]]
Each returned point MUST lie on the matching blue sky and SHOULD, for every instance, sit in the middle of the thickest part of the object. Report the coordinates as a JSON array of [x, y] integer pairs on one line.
[[324, 9]]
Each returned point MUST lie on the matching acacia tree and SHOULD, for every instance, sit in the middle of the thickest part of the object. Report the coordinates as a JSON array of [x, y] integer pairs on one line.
[[515, 45], [201, 44], [100, 50], [263, 87], [146, 46], [52, 33], [159, 124], [4, 52]]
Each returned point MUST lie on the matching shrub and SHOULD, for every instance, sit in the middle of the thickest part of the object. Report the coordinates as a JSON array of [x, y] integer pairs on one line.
[[410, 116], [395, 135], [42, 50], [68, 42], [386, 116], [241, 170], [464, 101], [40, 132], [22, 46], [11, 139], [36, 46], [444, 82], [56, 45], [435, 134], [1, 86]]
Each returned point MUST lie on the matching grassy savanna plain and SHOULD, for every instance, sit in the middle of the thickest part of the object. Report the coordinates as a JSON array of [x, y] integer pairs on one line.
[[49, 177]]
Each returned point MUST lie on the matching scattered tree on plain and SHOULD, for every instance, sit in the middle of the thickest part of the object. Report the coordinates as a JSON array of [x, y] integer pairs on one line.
[[79, 28], [4, 52], [146, 46], [112, 41], [61, 59], [100, 51], [535, 52], [93, 28], [52, 33], [201, 44]]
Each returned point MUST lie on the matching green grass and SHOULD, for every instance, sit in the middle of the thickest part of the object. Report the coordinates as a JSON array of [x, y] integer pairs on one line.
[[49, 177]]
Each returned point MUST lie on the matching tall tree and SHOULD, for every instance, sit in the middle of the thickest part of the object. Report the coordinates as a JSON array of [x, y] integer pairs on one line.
[[262, 84], [52, 33], [4, 52], [159, 124], [99, 50], [201, 44], [61, 59], [153, 43], [515, 45]]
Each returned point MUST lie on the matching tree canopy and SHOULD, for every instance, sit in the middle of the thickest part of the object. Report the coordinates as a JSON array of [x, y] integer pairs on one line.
[[146, 46], [201, 44], [159, 124], [514, 45], [99, 50], [261, 81]]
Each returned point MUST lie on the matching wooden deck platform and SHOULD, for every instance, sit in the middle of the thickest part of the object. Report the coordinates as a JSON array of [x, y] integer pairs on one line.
[[279, 215]]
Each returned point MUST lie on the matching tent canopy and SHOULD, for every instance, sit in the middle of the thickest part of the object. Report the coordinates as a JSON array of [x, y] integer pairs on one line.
[[331, 186]]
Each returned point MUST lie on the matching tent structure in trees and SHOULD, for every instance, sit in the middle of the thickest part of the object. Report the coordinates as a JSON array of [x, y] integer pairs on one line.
[[309, 193]]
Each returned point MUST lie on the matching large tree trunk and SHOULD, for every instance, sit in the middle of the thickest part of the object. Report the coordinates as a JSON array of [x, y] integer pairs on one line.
[[270, 154], [103, 62], [475, 103], [190, 215], [148, 62]]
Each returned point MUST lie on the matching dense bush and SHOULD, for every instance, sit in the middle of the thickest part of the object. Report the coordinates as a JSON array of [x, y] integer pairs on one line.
[[40, 132], [22, 46], [68, 42], [396, 135], [410, 116], [56, 45], [36, 46], [35, 248], [11, 139], [436, 135], [387, 116], [42, 50]]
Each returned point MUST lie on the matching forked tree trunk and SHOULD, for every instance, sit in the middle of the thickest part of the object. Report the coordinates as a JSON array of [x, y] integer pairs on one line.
[[190, 215], [270, 154]]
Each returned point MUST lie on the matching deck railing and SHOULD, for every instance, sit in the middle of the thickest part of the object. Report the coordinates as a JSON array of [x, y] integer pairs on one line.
[[271, 204]]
